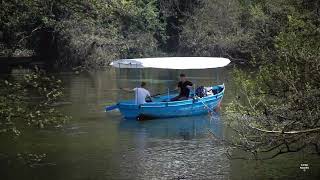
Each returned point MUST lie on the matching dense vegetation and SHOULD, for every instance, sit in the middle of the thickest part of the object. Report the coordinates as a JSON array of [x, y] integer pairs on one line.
[[278, 109], [280, 39], [81, 32]]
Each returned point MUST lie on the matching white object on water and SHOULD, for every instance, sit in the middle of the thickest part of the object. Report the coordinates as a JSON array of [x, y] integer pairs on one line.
[[172, 63]]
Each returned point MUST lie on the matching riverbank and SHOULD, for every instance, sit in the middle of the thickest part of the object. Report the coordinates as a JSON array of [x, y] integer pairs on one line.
[[29, 62]]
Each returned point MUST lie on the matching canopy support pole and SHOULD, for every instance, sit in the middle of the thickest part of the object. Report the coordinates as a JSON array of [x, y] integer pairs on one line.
[[194, 89]]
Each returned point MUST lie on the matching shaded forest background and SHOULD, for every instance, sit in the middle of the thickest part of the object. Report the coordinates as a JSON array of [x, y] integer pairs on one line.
[[94, 32]]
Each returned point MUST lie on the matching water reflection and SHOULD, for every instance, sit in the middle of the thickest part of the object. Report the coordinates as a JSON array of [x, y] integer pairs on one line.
[[175, 148], [186, 128]]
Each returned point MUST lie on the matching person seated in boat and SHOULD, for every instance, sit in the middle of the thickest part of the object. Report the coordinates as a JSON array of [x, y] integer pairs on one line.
[[142, 95], [184, 87]]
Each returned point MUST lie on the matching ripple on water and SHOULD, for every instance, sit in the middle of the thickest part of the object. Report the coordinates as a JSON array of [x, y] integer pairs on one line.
[[176, 159]]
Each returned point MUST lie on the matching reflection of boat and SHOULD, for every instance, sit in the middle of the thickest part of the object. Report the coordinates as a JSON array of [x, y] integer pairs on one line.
[[186, 127], [161, 108]]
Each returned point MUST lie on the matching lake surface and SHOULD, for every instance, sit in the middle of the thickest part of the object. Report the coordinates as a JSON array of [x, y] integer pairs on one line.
[[100, 145]]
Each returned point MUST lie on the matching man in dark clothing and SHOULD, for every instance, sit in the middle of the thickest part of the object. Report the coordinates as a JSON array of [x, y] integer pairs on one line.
[[184, 87]]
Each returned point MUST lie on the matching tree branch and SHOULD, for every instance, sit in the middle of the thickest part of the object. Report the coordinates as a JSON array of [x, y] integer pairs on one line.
[[286, 132]]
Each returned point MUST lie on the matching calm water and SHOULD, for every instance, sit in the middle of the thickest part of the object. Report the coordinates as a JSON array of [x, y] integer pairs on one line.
[[100, 145]]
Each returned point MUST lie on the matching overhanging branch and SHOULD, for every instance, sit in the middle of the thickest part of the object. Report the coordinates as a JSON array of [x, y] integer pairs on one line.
[[286, 132]]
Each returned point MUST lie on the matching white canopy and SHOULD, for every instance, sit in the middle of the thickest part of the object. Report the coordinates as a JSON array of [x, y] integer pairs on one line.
[[172, 63]]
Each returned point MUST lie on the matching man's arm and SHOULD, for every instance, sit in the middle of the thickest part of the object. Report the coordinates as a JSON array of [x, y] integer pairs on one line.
[[127, 89], [148, 97], [189, 85], [178, 87]]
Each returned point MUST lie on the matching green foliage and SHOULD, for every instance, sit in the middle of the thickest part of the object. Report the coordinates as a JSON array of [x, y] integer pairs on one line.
[[91, 33], [213, 29], [18, 109], [242, 29], [82, 32], [278, 108], [120, 29]]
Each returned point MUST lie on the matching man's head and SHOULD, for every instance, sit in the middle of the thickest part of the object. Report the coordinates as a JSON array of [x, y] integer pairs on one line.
[[183, 77], [143, 84]]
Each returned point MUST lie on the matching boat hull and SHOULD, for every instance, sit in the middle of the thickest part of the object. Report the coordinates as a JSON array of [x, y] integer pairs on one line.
[[190, 107]]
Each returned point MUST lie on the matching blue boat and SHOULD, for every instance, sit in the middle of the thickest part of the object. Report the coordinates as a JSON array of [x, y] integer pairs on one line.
[[161, 107]]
